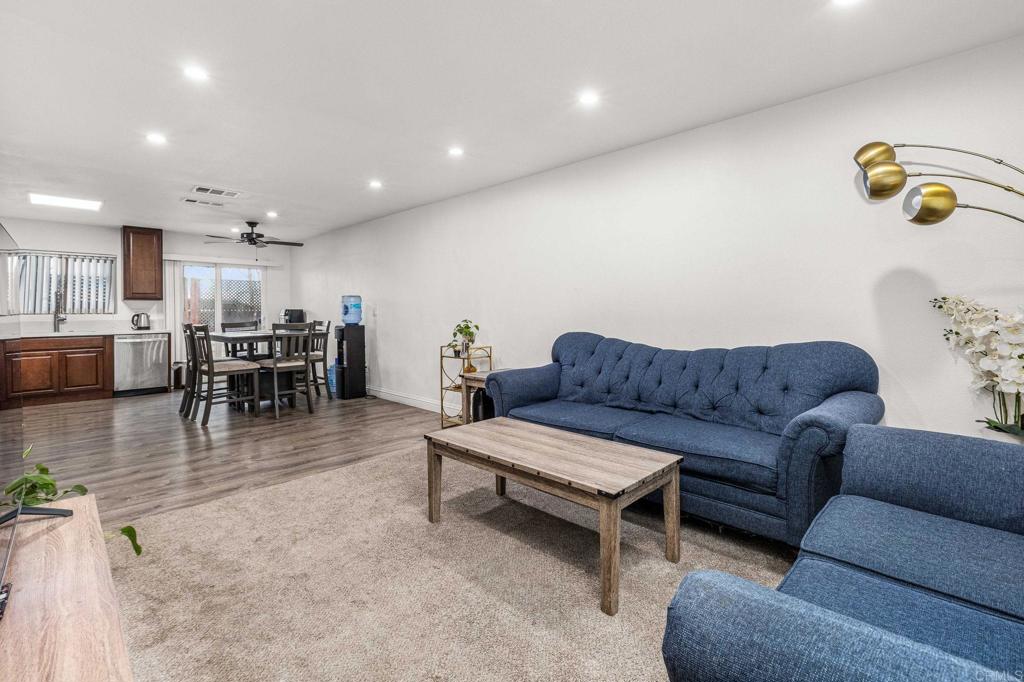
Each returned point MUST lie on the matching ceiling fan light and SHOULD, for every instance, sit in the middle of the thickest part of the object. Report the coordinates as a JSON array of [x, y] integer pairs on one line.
[[884, 180], [873, 152], [929, 203]]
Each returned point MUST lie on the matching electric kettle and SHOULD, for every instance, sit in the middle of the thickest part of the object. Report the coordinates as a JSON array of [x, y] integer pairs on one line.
[[140, 321]]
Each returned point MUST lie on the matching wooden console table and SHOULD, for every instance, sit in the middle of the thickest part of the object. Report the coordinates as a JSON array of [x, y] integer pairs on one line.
[[62, 622]]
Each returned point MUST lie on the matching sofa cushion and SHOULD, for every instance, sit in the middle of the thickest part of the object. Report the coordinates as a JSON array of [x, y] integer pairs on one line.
[[974, 563], [986, 638], [592, 420], [730, 453], [756, 387]]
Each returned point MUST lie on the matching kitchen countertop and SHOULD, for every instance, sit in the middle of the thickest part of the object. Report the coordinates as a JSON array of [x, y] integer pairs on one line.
[[46, 335]]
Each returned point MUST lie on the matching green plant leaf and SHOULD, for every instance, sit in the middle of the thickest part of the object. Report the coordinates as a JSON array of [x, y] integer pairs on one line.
[[994, 425], [80, 489], [25, 454], [41, 468], [133, 537], [15, 485]]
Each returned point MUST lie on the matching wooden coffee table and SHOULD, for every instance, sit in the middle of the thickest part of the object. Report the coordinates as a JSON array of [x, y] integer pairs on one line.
[[600, 474]]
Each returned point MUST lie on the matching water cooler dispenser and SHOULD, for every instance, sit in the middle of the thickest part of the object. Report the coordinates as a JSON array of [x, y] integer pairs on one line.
[[351, 337]]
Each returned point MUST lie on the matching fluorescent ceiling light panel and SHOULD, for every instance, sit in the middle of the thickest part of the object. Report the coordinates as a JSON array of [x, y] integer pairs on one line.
[[376, 184], [156, 138], [456, 151], [64, 202]]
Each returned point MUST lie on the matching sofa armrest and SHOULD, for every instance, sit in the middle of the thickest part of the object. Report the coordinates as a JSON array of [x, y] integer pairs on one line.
[[512, 388], [834, 417], [970, 479], [723, 628], [810, 472]]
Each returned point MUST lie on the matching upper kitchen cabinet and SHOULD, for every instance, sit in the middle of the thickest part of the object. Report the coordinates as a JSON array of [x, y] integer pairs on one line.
[[143, 263]]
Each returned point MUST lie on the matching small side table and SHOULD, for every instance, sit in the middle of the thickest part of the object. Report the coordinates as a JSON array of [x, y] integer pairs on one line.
[[472, 382]]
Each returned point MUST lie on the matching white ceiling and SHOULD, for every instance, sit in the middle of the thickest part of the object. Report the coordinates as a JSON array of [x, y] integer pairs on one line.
[[309, 100]]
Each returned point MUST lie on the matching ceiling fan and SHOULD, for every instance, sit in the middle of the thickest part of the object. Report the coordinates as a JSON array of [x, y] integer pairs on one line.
[[252, 238]]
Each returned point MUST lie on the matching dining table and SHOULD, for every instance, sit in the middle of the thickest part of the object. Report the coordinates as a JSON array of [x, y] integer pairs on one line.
[[251, 339]]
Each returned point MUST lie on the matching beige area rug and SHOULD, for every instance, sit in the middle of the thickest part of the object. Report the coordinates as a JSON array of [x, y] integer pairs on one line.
[[339, 576]]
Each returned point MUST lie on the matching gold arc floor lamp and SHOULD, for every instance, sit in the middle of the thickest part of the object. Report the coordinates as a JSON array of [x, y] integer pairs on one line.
[[931, 202]]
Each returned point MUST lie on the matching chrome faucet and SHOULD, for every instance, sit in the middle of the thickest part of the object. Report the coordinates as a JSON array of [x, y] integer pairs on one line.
[[57, 317]]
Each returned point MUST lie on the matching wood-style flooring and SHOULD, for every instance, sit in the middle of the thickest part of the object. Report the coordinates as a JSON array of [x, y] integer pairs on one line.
[[139, 457]]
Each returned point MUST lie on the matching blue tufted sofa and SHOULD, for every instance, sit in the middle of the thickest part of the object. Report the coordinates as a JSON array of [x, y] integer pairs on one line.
[[761, 428], [915, 572]]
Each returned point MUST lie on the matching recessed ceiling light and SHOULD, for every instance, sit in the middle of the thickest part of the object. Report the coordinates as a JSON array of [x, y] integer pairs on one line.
[[376, 184], [589, 98], [271, 214], [156, 138], [64, 202], [194, 72], [235, 229], [456, 151]]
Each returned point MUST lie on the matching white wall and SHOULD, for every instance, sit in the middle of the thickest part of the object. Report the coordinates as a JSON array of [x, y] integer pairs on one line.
[[749, 231], [73, 237]]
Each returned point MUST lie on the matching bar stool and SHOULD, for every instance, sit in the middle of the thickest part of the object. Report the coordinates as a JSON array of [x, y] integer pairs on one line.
[[295, 342], [321, 342], [246, 374]]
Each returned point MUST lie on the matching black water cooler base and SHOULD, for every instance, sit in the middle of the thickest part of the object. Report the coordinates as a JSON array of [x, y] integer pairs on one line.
[[350, 373]]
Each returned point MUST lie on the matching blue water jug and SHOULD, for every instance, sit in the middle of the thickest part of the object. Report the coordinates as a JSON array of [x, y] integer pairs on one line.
[[332, 376], [351, 309]]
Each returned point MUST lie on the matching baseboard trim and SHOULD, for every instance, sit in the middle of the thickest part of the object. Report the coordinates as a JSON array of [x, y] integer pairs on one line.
[[412, 400]]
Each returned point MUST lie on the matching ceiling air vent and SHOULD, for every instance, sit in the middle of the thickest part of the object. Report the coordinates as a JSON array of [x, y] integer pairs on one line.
[[202, 202], [216, 192]]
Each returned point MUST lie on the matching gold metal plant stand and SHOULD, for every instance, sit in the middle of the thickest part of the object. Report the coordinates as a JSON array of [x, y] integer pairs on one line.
[[452, 366]]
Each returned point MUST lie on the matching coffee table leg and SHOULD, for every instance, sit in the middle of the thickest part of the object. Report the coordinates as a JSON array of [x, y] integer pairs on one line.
[[433, 484], [610, 516], [670, 497], [499, 484]]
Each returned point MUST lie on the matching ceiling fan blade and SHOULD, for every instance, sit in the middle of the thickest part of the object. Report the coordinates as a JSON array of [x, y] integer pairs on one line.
[[233, 241], [277, 243], [217, 236]]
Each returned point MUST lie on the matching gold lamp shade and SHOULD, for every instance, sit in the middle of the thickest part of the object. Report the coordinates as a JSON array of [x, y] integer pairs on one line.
[[929, 203], [873, 152], [884, 179]]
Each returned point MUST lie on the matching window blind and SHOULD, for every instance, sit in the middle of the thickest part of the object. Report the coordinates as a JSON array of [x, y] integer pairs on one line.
[[42, 283]]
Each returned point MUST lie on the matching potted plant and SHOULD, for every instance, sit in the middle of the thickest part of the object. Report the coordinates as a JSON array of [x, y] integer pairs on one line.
[[993, 343], [37, 486], [466, 331]]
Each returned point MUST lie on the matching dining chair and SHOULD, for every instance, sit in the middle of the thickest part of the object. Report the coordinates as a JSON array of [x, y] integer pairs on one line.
[[247, 351], [190, 372], [292, 343], [321, 342], [208, 370]]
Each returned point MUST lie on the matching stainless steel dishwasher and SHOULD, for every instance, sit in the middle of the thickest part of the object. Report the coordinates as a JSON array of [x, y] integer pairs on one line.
[[141, 363]]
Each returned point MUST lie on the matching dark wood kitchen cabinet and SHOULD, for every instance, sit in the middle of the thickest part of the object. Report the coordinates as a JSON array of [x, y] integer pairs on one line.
[[142, 257], [57, 369]]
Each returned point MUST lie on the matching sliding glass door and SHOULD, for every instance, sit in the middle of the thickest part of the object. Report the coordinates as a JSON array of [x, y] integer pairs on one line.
[[215, 294], [241, 294]]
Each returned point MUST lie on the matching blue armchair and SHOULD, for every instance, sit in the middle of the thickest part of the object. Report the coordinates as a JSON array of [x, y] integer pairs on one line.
[[761, 429], [914, 572]]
